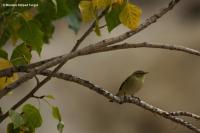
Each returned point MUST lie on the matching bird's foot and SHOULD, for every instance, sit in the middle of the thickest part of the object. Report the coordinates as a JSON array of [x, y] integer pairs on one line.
[[137, 98]]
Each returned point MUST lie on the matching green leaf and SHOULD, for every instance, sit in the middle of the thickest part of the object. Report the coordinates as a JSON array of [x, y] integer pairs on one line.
[[21, 55], [50, 97], [60, 127], [32, 35], [56, 113], [73, 21], [16, 118], [46, 26], [4, 37], [14, 24], [64, 7], [72, 5], [32, 116], [11, 129], [112, 18], [3, 54], [57, 116], [47, 7], [55, 4]]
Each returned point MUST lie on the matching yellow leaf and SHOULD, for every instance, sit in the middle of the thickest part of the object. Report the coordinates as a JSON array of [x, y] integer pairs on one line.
[[87, 10], [4, 81], [27, 15], [130, 16], [100, 4]]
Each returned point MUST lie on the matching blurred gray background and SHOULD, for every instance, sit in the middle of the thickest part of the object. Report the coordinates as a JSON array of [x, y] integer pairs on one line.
[[172, 83]]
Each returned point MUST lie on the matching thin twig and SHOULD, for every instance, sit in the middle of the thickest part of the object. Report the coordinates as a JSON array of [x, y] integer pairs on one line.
[[103, 26], [37, 80], [79, 41], [183, 113], [150, 45], [38, 97]]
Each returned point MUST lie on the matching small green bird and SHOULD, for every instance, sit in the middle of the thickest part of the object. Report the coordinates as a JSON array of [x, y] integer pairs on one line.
[[132, 84]]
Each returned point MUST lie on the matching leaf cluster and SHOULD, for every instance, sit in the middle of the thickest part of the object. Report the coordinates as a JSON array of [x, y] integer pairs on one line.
[[30, 119], [29, 28], [119, 12]]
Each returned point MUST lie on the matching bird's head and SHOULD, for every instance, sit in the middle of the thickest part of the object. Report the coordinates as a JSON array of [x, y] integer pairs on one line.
[[139, 74]]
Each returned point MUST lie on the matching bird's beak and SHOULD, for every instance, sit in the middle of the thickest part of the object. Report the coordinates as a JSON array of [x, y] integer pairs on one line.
[[146, 72]]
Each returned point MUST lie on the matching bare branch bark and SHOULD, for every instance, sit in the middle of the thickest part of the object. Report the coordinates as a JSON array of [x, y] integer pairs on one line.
[[150, 45], [183, 113]]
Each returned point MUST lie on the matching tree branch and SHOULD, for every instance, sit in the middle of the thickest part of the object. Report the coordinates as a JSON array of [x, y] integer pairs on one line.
[[79, 41], [168, 115], [149, 45], [182, 113]]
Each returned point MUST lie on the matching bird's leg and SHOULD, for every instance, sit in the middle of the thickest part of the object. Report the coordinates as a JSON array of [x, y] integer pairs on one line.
[[121, 99], [124, 96], [136, 97], [1, 113]]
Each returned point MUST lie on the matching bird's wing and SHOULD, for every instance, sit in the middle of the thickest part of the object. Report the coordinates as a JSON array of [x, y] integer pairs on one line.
[[123, 84]]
